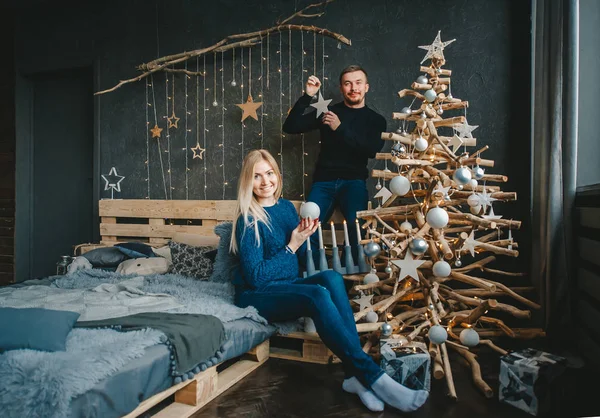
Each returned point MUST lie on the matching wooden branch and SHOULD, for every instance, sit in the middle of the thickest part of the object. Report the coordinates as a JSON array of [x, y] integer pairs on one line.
[[438, 367], [493, 346], [475, 371]]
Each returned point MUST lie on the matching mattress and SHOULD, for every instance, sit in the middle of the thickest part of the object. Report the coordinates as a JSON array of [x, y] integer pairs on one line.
[[148, 375]]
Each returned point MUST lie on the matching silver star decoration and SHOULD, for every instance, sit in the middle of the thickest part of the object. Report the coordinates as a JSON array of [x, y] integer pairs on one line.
[[408, 266], [455, 142], [321, 105], [485, 199], [113, 180], [441, 190], [470, 244], [436, 49], [464, 129], [491, 216], [384, 194], [363, 301]]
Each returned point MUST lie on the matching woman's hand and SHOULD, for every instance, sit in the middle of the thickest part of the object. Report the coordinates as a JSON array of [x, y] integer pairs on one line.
[[303, 231]]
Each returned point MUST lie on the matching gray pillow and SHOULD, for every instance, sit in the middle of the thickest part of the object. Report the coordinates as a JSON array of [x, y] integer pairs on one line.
[[105, 257], [35, 329], [191, 261], [225, 262]]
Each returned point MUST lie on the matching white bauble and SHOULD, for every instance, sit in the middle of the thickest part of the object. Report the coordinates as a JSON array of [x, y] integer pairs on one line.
[[437, 217], [437, 334], [309, 210], [469, 337], [462, 175], [406, 227], [475, 210], [473, 183], [441, 269], [421, 144], [430, 95], [473, 200], [399, 185], [372, 317], [370, 278]]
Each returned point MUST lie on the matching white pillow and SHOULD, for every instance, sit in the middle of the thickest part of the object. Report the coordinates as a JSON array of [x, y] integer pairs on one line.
[[164, 252], [145, 266]]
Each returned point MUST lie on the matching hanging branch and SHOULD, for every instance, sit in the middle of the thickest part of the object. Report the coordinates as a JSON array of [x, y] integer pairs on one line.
[[247, 40]]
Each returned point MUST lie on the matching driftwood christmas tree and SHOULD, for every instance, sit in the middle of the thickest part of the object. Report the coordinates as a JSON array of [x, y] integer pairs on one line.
[[435, 233]]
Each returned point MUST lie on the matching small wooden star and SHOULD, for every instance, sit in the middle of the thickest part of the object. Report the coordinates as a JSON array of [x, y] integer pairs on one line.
[[173, 118], [249, 108], [198, 151], [156, 131]]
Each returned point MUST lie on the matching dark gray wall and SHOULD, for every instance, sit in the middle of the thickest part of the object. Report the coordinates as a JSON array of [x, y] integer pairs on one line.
[[588, 149], [489, 60]]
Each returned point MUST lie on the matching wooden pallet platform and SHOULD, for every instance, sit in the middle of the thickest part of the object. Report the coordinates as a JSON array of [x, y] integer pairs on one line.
[[192, 395], [302, 346]]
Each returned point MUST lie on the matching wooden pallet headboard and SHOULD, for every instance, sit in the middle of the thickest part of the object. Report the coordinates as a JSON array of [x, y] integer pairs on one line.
[[156, 222]]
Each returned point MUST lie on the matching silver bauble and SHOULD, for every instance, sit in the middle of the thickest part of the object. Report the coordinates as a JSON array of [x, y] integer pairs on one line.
[[430, 95], [372, 317], [398, 148], [441, 269], [406, 110], [386, 329], [388, 269], [233, 83], [422, 79], [440, 111], [473, 200], [460, 187], [387, 170], [370, 278], [475, 210], [437, 217], [478, 172], [406, 227], [418, 246], [399, 131], [438, 70], [423, 115], [372, 249], [450, 97], [215, 103], [458, 263], [469, 337], [462, 175], [378, 186], [309, 210], [437, 334], [421, 144], [399, 185]]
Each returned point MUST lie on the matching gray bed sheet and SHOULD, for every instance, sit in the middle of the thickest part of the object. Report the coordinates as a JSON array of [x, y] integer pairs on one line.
[[149, 375]]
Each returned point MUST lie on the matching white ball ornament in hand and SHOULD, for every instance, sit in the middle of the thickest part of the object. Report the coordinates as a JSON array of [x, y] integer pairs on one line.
[[309, 210], [399, 185]]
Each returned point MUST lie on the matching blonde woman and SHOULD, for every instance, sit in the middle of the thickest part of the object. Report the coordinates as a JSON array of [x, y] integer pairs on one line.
[[269, 239]]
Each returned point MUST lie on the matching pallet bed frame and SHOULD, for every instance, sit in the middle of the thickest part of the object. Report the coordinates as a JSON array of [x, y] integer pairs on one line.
[[156, 222]]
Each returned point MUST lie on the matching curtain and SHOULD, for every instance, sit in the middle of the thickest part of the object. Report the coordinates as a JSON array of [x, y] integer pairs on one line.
[[554, 99]]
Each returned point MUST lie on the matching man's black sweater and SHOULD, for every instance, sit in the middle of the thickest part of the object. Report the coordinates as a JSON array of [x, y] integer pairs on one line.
[[344, 152]]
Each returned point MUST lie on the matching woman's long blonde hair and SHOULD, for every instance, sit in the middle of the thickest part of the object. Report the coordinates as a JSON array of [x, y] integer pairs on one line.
[[247, 206]]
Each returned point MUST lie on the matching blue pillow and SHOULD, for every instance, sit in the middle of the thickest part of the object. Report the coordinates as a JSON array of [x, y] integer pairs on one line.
[[135, 249], [35, 329], [105, 257], [225, 263]]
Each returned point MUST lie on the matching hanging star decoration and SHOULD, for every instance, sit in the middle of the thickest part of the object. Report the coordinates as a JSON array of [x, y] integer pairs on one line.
[[491, 216], [441, 191], [408, 266], [456, 142], [464, 129], [384, 194], [436, 49], [485, 199], [321, 105], [249, 108], [156, 131], [173, 118], [198, 151], [113, 180], [364, 301], [470, 244]]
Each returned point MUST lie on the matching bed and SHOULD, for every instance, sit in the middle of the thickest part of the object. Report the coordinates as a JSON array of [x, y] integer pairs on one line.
[[148, 381]]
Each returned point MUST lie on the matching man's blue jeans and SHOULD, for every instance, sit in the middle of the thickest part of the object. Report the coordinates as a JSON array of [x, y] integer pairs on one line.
[[349, 196], [323, 298]]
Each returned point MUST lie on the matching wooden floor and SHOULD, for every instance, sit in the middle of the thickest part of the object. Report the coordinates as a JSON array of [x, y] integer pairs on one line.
[[284, 388]]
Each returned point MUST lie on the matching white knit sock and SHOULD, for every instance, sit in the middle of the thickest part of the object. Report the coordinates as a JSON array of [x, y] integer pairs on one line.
[[397, 395], [368, 398]]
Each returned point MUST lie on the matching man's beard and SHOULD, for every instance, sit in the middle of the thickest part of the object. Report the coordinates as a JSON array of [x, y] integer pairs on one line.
[[357, 100]]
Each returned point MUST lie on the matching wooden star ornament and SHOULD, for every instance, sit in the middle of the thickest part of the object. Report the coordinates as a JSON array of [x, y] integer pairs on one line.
[[173, 120], [249, 108], [156, 131], [198, 151]]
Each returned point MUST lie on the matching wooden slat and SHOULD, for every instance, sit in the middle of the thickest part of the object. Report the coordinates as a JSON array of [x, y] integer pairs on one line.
[[6, 278], [7, 221], [588, 315], [589, 283], [155, 222], [589, 250], [589, 217], [7, 268], [169, 209], [225, 210], [588, 347], [7, 231], [151, 231]]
